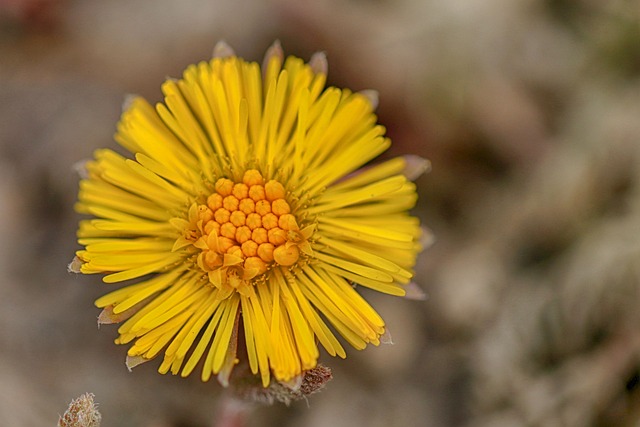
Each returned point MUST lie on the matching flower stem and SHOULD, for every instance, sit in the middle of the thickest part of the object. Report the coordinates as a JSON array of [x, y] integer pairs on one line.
[[232, 412]]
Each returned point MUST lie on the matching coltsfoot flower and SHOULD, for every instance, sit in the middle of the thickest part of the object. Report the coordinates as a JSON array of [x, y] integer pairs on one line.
[[246, 219]]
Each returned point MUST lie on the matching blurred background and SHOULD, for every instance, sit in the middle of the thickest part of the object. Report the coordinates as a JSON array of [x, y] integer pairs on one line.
[[530, 113]]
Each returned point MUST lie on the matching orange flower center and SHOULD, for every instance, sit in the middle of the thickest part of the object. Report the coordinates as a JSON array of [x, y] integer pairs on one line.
[[245, 228]]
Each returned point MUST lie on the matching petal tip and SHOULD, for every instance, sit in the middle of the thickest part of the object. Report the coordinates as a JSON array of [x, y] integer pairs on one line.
[[75, 265], [385, 338], [427, 238], [415, 166], [319, 63], [222, 50], [274, 51], [133, 361], [372, 96], [414, 292], [128, 101]]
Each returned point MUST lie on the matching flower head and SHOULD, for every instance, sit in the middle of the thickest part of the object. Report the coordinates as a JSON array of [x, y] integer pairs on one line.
[[245, 217]]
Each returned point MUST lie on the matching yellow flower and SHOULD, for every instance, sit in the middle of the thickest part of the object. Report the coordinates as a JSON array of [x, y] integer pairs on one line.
[[242, 217]]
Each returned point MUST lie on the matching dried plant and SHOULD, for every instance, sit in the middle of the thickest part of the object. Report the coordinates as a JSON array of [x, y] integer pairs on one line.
[[82, 412]]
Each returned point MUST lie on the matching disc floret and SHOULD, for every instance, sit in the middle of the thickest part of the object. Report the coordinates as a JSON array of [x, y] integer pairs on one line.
[[243, 230]]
